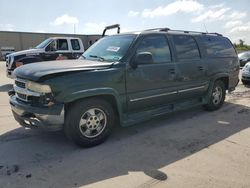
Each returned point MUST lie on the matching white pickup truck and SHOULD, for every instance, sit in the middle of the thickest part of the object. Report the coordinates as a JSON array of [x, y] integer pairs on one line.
[[56, 48]]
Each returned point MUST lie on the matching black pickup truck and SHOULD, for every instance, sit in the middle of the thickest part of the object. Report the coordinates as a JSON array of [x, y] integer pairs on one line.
[[124, 79], [56, 48]]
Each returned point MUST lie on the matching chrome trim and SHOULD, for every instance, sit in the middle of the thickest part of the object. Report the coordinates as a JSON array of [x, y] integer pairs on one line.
[[153, 96], [165, 94], [21, 80], [26, 92], [87, 90], [190, 89], [11, 61]]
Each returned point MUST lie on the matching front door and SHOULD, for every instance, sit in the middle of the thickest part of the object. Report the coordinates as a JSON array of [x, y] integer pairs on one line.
[[153, 84]]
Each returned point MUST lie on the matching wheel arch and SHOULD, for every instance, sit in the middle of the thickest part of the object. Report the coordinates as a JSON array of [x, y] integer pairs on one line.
[[223, 77], [107, 94]]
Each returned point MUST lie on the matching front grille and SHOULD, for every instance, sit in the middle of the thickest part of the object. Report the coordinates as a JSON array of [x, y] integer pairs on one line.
[[22, 96], [20, 84], [25, 95], [7, 62]]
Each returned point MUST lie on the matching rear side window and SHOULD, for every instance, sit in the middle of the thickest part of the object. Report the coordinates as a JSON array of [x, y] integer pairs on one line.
[[62, 44], [75, 44], [218, 46], [186, 47], [158, 46]]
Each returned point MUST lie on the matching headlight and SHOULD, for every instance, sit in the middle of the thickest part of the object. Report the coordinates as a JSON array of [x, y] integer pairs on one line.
[[38, 87]]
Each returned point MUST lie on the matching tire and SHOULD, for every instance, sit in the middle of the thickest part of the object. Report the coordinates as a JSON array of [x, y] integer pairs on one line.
[[89, 122], [244, 82], [217, 96]]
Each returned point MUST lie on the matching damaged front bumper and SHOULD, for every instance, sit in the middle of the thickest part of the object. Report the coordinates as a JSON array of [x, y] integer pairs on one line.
[[47, 118]]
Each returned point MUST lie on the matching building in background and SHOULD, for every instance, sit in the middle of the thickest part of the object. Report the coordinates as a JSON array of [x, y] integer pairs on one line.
[[26, 40]]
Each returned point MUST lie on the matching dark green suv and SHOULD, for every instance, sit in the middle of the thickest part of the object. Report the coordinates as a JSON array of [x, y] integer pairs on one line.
[[124, 79]]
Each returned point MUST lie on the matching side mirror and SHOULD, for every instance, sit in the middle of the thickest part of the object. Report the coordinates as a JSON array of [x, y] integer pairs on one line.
[[142, 58]]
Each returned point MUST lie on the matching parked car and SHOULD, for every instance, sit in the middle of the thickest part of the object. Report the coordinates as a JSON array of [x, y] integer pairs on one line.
[[4, 51], [245, 76], [244, 57], [125, 79], [56, 48]]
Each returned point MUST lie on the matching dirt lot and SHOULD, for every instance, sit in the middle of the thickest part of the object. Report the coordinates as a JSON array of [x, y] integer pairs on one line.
[[191, 148]]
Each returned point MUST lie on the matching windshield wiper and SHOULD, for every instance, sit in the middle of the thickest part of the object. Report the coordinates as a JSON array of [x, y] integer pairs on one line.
[[98, 57], [82, 56]]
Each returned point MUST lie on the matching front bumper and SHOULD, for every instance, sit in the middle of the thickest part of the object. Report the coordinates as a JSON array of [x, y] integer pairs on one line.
[[47, 118]]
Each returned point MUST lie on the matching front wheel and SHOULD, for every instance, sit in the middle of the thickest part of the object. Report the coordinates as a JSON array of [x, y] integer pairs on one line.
[[89, 122], [217, 96]]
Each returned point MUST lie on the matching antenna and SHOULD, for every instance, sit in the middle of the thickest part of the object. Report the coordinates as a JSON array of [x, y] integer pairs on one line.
[[74, 28]]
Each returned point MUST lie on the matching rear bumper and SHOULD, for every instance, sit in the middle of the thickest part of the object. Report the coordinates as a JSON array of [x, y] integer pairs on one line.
[[47, 118]]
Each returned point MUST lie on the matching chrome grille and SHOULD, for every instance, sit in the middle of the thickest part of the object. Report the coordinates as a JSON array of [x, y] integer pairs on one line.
[[20, 84], [22, 96], [7, 62], [22, 93]]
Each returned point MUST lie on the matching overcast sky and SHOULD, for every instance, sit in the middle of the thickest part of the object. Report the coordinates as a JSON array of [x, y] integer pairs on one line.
[[229, 17]]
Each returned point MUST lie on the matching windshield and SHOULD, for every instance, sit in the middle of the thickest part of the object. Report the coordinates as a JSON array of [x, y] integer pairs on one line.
[[43, 44], [244, 55], [111, 48]]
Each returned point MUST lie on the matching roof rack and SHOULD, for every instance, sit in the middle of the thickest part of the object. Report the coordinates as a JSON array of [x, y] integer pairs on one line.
[[158, 29], [182, 31]]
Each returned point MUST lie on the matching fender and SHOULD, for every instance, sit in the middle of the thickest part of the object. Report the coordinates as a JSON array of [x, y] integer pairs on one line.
[[95, 92], [211, 84], [218, 75]]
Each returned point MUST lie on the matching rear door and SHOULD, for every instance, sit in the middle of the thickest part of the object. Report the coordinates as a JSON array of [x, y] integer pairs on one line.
[[191, 69], [151, 85]]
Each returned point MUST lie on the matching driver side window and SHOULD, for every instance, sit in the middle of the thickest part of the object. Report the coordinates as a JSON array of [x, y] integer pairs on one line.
[[156, 45], [51, 47]]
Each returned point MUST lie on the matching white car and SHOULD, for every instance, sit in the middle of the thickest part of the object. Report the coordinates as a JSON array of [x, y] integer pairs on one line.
[[245, 77]]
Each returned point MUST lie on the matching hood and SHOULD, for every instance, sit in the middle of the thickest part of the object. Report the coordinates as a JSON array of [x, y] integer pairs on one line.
[[35, 71], [27, 52]]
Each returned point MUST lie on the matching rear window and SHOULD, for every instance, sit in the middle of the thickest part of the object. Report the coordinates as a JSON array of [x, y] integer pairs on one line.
[[218, 46], [186, 47]]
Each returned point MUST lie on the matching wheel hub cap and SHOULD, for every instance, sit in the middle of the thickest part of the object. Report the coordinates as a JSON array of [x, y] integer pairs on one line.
[[92, 122], [217, 95]]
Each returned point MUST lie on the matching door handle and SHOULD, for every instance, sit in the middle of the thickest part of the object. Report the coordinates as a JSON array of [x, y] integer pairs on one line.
[[171, 71], [201, 68]]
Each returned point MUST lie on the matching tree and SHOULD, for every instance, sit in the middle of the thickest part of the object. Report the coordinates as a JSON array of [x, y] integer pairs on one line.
[[241, 43]]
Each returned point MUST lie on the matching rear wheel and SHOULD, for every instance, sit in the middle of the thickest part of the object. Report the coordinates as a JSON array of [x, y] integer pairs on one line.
[[217, 96], [89, 122]]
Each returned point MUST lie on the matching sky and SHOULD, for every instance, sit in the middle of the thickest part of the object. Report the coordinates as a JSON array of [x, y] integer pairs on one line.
[[228, 17]]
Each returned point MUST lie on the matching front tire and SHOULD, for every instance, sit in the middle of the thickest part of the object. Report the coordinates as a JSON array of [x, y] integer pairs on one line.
[[217, 96], [89, 122]]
